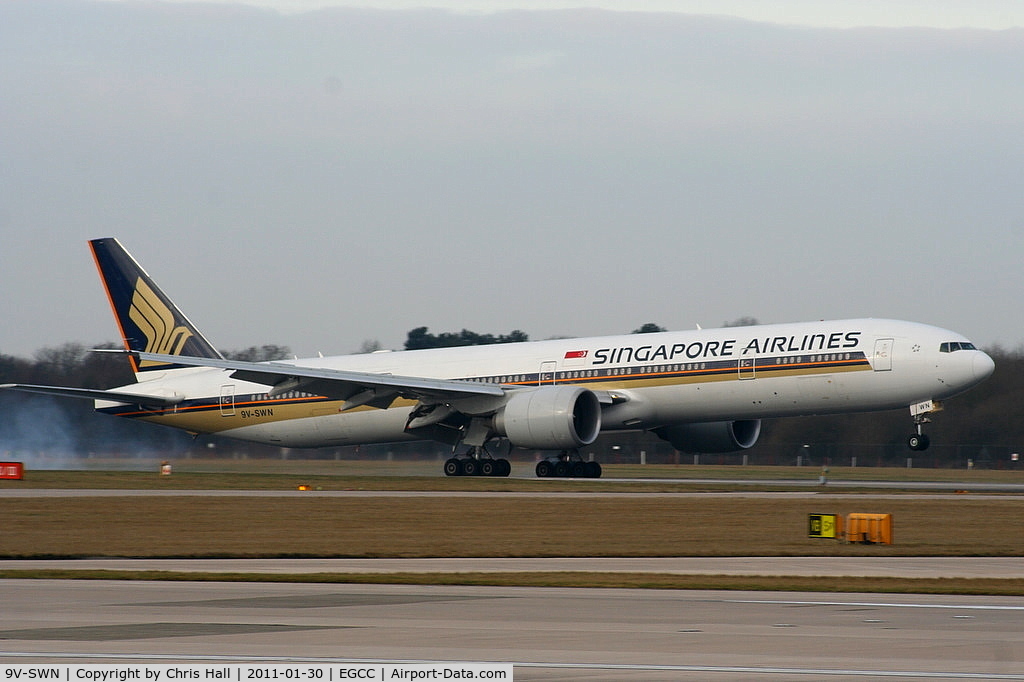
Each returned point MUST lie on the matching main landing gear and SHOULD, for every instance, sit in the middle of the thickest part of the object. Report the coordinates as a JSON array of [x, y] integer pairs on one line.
[[568, 464], [477, 462]]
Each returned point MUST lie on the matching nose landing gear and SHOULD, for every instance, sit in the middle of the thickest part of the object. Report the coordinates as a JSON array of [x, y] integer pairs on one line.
[[919, 441]]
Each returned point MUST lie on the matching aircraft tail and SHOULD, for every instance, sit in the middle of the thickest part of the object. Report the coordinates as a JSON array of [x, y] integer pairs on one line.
[[148, 320]]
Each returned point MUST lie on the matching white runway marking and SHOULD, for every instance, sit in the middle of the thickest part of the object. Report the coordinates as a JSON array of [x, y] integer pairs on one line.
[[957, 607], [745, 670]]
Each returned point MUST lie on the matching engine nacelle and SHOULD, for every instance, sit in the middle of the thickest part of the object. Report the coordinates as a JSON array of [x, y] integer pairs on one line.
[[550, 418], [712, 436]]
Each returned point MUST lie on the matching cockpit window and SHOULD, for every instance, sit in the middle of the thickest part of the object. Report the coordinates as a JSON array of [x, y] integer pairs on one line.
[[953, 346]]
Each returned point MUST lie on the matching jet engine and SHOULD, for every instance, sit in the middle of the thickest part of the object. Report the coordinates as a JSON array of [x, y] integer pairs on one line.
[[550, 418], [712, 436]]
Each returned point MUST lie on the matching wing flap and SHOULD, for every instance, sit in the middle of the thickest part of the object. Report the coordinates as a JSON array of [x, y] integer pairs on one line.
[[341, 384]]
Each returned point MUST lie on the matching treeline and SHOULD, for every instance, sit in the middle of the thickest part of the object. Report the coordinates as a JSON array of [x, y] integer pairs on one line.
[[420, 338], [983, 426], [79, 366]]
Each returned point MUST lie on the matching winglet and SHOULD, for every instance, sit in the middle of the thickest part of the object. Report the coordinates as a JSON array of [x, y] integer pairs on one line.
[[148, 320]]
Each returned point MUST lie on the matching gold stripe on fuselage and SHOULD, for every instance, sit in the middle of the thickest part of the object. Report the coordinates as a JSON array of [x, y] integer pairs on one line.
[[212, 416]]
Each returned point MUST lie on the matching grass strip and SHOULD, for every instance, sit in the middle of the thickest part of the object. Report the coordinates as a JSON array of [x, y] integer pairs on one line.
[[1006, 587], [253, 527]]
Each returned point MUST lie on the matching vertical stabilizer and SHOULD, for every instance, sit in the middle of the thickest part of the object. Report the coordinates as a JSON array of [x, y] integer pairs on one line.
[[149, 321]]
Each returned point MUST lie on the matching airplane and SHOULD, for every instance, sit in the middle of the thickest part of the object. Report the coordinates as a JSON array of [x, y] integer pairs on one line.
[[703, 391]]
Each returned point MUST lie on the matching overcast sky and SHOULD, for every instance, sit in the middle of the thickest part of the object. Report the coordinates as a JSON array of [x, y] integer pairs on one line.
[[994, 14], [318, 178]]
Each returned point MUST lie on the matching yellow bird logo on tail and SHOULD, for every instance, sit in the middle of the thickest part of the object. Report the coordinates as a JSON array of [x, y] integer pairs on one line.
[[157, 322]]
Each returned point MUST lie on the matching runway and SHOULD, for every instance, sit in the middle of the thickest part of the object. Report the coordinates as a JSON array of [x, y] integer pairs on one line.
[[546, 633], [897, 567], [942, 490]]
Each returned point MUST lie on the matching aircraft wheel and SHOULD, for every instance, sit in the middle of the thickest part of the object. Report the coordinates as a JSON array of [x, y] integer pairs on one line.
[[453, 467], [471, 467], [593, 470], [544, 469], [504, 467], [488, 467], [562, 469], [918, 442], [578, 470]]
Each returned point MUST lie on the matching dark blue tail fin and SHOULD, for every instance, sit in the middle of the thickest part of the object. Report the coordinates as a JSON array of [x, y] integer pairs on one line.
[[148, 320]]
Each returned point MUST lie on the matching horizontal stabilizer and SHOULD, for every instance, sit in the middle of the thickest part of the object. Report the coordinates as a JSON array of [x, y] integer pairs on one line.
[[98, 394]]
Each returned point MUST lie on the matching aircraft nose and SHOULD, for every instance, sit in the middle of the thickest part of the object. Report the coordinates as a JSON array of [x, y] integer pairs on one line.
[[983, 366]]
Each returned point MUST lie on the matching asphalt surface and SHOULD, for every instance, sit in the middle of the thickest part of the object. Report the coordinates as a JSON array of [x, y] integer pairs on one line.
[[961, 492], [900, 567], [546, 633]]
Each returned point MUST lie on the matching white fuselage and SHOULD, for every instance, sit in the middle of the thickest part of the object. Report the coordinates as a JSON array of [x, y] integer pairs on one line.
[[657, 379]]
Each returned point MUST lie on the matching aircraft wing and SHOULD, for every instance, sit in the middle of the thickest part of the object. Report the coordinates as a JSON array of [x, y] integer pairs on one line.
[[355, 388], [98, 394]]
